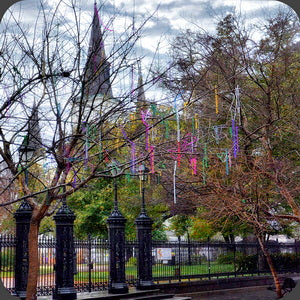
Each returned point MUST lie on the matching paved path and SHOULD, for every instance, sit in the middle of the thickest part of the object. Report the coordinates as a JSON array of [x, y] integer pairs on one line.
[[246, 293], [249, 293]]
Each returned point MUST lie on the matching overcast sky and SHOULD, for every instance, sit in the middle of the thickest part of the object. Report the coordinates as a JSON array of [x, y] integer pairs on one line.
[[169, 17]]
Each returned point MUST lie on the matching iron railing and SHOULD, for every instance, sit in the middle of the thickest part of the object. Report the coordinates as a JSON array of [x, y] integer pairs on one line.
[[7, 261], [172, 261]]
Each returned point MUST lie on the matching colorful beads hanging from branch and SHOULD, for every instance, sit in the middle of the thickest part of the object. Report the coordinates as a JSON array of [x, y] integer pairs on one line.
[[204, 164], [235, 138], [193, 162], [145, 115], [178, 130], [132, 153], [216, 100], [174, 182], [151, 157]]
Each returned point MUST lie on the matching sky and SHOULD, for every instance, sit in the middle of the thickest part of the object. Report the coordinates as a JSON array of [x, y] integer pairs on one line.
[[168, 18]]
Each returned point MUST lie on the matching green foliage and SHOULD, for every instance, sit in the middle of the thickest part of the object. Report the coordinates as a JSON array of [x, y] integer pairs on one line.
[[7, 259], [47, 225], [92, 207], [180, 224], [202, 229], [132, 261], [229, 258], [8, 223], [286, 261], [231, 227], [246, 263], [159, 235], [281, 261]]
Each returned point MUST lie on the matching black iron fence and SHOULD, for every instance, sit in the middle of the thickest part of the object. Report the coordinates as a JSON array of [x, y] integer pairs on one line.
[[208, 260], [171, 261], [7, 260]]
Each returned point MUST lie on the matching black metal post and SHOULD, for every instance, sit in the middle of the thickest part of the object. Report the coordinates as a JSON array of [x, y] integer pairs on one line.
[[116, 232], [144, 236], [234, 259], [208, 256], [90, 264], [22, 216], [64, 275], [179, 258], [189, 249]]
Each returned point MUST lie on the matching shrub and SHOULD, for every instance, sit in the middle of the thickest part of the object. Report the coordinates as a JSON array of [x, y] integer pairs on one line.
[[281, 261], [229, 257], [286, 261], [246, 263], [7, 259], [132, 261]]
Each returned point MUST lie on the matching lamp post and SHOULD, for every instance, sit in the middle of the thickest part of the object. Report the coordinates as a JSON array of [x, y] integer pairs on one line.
[[143, 175], [23, 216], [114, 173], [26, 153], [116, 233], [144, 236]]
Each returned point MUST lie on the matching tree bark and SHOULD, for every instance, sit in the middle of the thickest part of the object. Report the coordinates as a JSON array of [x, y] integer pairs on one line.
[[272, 268], [33, 271]]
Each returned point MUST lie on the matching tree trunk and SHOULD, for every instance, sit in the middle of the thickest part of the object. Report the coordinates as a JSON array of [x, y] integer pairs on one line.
[[272, 268], [33, 271]]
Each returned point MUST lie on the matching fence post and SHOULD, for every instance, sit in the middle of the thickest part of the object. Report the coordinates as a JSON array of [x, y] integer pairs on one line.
[[258, 258], [208, 256], [234, 258], [90, 263], [116, 232], [144, 235], [64, 275], [22, 217], [179, 258]]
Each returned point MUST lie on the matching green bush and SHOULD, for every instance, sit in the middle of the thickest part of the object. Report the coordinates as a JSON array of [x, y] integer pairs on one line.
[[286, 261], [132, 261], [7, 259], [246, 263], [281, 261], [229, 257]]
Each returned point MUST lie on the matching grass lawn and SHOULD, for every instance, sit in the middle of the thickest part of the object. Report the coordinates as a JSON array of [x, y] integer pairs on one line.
[[160, 270]]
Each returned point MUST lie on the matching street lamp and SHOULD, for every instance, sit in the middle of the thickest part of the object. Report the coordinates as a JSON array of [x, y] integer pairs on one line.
[[26, 153], [114, 172], [143, 175]]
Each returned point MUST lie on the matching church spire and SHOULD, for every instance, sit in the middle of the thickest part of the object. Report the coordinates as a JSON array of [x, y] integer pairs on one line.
[[97, 73], [141, 102], [34, 130]]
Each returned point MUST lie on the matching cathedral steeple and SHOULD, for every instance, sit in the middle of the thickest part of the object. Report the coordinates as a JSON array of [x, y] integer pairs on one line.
[[97, 73], [141, 102], [34, 130]]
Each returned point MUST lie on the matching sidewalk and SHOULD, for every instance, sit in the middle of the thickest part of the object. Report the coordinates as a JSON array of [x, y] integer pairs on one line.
[[249, 293], [246, 293]]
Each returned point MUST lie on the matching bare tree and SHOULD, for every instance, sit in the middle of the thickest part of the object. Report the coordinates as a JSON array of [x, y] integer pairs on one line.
[[64, 102], [251, 90]]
